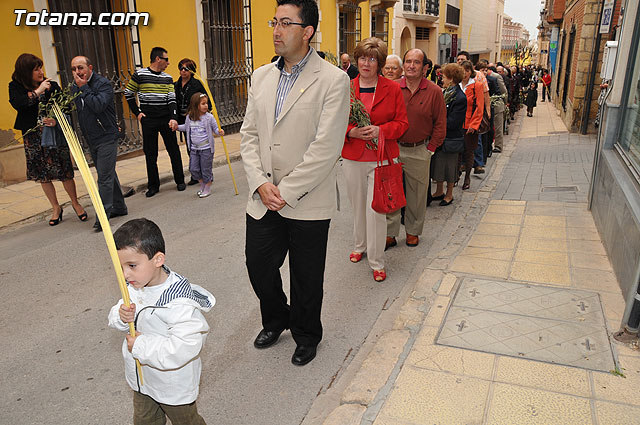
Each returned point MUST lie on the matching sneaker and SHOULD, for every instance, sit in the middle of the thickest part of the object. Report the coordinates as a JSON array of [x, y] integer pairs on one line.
[[206, 192]]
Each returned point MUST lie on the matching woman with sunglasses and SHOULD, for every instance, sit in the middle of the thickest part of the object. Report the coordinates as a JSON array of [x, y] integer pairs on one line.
[[185, 87]]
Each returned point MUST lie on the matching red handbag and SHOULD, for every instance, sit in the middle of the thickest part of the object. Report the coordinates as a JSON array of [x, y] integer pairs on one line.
[[388, 194]]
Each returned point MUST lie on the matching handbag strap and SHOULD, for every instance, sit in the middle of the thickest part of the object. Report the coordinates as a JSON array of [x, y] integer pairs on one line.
[[382, 150]]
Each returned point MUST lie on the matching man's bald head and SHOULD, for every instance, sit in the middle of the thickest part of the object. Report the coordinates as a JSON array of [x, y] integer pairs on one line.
[[81, 67], [79, 59], [345, 60]]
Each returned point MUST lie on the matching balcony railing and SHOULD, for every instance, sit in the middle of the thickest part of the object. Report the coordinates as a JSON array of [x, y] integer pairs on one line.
[[410, 6], [428, 7], [432, 7]]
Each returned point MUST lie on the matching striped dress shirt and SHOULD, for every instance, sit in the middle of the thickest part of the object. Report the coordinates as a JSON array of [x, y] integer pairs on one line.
[[287, 80]]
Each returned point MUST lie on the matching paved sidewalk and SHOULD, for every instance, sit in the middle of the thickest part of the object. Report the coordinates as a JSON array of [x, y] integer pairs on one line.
[[514, 236], [25, 202]]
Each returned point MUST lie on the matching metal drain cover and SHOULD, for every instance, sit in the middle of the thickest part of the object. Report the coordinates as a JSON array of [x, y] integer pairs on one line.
[[549, 324], [560, 188]]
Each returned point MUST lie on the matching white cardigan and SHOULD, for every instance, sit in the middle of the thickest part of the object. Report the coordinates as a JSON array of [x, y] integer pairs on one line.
[[173, 331]]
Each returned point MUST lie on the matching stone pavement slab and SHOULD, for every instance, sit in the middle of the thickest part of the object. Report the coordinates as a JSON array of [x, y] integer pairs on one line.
[[545, 279], [549, 324]]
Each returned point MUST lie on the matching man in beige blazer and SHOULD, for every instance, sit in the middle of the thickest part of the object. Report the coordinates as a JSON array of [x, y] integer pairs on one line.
[[292, 135]]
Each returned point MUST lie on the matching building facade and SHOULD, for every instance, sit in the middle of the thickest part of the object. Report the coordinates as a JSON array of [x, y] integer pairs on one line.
[[481, 30], [573, 58], [514, 36], [615, 192], [227, 39]]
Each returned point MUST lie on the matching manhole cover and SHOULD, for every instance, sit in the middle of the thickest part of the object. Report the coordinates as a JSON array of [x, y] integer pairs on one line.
[[560, 188], [558, 132], [549, 324]]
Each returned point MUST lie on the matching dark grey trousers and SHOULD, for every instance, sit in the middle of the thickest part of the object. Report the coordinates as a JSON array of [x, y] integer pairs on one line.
[[104, 158]]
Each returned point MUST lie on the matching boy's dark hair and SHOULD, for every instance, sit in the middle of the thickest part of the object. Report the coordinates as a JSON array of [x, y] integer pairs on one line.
[[308, 12], [157, 52], [463, 53], [142, 235]]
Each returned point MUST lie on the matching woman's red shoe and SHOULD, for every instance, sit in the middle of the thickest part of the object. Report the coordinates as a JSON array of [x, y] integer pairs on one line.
[[379, 275], [355, 257]]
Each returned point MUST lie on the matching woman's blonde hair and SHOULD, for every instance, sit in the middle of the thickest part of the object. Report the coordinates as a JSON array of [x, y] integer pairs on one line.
[[194, 106], [372, 47]]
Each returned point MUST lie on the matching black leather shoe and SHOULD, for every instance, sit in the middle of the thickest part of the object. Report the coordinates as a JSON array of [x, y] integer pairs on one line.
[[192, 182], [303, 354], [151, 192], [97, 227], [438, 198], [181, 187], [266, 339]]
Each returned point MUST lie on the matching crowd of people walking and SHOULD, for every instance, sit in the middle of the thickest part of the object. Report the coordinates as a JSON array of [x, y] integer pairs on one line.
[[300, 126]]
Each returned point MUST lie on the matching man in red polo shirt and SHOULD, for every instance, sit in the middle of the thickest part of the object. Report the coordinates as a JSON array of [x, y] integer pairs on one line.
[[427, 115]]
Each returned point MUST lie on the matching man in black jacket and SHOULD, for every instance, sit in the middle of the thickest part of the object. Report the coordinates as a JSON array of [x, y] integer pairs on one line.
[[96, 113], [347, 66]]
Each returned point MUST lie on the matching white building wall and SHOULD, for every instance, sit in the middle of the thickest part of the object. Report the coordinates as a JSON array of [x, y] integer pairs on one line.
[[479, 24]]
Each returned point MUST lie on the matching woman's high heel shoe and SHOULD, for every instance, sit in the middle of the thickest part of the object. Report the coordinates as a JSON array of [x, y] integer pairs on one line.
[[83, 217], [56, 221]]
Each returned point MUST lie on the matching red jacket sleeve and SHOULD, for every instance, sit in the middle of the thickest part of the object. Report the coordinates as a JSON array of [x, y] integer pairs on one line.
[[439, 121], [397, 126]]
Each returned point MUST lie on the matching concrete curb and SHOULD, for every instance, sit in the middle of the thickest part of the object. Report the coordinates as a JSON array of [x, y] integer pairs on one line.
[[138, 185]]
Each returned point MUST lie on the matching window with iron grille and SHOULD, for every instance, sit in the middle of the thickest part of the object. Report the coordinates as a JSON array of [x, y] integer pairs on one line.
[[380, 24], [453, 15], [349, 27], [229, 57], [114, 52], [422, 33]]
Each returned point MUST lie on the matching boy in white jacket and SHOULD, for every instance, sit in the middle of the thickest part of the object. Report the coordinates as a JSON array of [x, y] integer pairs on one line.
[[171, 330]]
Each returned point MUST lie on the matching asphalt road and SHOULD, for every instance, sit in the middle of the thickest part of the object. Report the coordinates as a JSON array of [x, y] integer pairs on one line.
[[60, 362]]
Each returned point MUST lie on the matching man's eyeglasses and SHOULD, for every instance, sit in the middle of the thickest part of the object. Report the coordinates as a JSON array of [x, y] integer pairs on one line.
[[284, 23], [164, 59]]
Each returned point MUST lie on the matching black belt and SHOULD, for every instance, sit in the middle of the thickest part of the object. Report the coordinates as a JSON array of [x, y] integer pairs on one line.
[[411, 145]]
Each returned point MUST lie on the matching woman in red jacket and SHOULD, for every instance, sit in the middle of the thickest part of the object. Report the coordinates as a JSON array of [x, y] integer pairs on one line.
[[474, 90], [383, 101]]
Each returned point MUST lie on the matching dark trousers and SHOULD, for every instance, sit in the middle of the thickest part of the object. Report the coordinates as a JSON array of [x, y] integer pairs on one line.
[[470, 146], [546, 92], [147, 411], [150, 129], [104, 158], [267, 242]]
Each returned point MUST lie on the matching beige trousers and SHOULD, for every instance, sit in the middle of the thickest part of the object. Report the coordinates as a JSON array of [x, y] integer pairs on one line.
[[369, 227], [415, 166]]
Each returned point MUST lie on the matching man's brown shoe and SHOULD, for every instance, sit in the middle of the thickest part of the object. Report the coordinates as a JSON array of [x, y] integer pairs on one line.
[[391, 242], [412, 240]]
